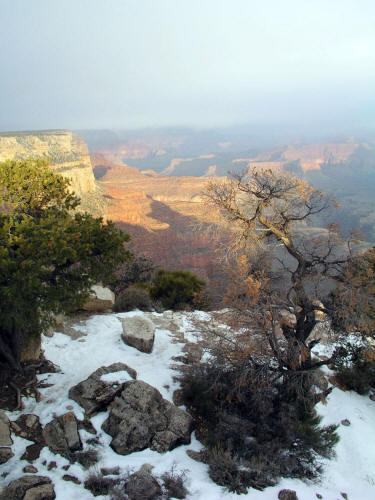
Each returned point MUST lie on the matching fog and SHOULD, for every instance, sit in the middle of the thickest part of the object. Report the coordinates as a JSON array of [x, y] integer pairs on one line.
[[82, 64]]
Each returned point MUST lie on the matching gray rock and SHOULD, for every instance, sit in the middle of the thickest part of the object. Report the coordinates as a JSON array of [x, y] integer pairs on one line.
[[30, 469], [28, 426], [138, 332], [345, 422], [94, 394], [42, 492], [5, 455], [32, 451], [29, 488], [72, 479], [141, 418], [101, 299], [5, 439], [61, 435], [142, 486], [287, 495]]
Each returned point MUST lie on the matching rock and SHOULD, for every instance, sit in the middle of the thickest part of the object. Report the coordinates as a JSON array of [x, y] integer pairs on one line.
[[198, 456], [72, 479], [142, 486], [318, 495], [52, 465], [5, 454], [28, 426], [287, 495], [344, 495], [138, 332], [110, 471], [141, 418], [61, 435], [32, 451], [345, 422], [372, 397], [42, 492], [5, 439], [193, 352], [101, 299], [29, 488], [30, 469], [94, 394], [177, 397]]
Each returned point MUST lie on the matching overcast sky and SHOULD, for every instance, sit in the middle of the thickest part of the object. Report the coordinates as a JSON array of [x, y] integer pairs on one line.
[[134, 63]]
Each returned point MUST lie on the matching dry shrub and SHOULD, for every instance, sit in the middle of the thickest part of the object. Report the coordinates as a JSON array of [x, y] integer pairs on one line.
[[133, 298]]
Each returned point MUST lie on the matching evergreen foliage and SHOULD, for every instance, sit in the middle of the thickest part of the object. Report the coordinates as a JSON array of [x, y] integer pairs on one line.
[[178, 289], [50, 254], [253, 427]]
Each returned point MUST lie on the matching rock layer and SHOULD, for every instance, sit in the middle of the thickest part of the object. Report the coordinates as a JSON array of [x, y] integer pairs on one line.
[[68, 155]]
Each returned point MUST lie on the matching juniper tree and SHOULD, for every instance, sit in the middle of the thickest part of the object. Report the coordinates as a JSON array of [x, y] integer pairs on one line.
[[50, 253], [272, 209]]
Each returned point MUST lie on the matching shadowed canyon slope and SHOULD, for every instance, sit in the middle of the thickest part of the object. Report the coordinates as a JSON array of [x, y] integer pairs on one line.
[[68, 156], [164, 215]]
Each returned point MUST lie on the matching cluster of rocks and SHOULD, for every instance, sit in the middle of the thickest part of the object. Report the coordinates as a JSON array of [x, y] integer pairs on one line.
[[139, 417]]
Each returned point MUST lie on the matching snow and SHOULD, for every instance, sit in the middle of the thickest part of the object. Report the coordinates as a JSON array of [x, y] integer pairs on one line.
[[352, 472], [121, 376]]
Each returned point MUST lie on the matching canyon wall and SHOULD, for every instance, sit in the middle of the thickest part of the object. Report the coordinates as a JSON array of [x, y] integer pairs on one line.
[[165, 217], [68, 156]]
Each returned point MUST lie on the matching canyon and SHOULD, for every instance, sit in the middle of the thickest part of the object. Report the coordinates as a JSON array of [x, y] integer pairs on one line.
[[147, 188]]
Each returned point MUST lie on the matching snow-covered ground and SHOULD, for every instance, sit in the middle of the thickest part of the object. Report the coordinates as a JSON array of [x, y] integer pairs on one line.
[[352, 472]]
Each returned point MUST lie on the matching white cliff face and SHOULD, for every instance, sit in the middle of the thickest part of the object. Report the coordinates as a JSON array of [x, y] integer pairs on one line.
[[68, 156]]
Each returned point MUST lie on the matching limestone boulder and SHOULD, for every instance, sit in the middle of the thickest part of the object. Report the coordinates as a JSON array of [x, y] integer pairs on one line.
[[29, 488], [6, 454], [95, 394], [101, 299], [141, 418], [138, 332], [28, 427], [5, 439], [61, 435]]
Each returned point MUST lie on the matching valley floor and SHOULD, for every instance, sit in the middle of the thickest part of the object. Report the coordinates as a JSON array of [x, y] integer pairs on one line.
[[99, 343]]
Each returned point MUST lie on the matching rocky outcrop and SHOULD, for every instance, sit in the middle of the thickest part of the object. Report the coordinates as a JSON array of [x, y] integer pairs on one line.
[[61, 435], [5, 440], [68, 155], [29, 488], [101, 299], [138, 332], [141, 418], [95, 394]]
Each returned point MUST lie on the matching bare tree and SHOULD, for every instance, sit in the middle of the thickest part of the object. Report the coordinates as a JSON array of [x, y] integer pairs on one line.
[[272, 209]]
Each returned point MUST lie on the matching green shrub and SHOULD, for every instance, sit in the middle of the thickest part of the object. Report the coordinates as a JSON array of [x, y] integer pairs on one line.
[[133, 297], [253, 428], [178, 289]]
